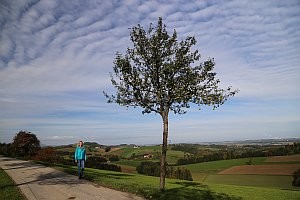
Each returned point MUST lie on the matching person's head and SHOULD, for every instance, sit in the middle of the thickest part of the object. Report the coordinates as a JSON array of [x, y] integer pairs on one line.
[[80, 143]]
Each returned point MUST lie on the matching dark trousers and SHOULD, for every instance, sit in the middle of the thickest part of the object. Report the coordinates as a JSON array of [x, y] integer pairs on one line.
[[80, 164]]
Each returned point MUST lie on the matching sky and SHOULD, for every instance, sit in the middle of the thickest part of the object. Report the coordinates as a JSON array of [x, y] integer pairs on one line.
[[56, 56]]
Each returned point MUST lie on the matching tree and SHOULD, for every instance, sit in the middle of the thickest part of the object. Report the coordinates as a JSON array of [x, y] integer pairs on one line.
[[159, 75], [107, 149], [25, 144]]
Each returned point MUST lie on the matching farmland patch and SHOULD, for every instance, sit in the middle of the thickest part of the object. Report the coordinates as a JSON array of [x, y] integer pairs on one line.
[[291, 158], [283, 169]]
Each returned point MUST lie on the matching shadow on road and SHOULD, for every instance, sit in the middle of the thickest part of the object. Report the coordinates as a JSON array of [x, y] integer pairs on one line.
[[21, 164]]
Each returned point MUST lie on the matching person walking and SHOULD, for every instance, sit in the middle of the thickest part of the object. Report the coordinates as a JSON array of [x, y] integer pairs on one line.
[[80, 158]]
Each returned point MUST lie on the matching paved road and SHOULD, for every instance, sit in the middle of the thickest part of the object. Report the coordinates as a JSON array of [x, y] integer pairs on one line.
[[39, 182]]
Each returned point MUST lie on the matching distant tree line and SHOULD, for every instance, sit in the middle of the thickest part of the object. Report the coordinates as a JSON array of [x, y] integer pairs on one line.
[[153, 169], [27, 146], [234, 153]]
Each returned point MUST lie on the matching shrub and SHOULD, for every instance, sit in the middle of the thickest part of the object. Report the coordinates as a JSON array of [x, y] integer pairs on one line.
[[296, 181], [153, 169]]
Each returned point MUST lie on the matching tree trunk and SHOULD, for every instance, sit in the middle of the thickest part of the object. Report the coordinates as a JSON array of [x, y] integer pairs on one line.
[[164, 152]]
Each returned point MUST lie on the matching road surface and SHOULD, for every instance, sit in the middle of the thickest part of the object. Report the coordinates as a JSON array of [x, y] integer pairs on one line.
[[38, 182]]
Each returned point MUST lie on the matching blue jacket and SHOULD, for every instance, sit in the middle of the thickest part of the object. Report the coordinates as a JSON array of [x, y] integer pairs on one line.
[[80, 153]]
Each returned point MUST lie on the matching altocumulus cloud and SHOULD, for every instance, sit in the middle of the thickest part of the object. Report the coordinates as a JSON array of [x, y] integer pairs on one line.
[[55, 59]]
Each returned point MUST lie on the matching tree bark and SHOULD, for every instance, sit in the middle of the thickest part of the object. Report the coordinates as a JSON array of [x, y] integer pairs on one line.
[[164, 152]]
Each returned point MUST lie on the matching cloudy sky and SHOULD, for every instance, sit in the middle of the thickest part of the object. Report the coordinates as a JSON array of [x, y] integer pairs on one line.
[[55, 59]]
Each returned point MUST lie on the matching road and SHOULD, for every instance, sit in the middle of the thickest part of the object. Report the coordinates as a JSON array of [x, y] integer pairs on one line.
[[38, 182]]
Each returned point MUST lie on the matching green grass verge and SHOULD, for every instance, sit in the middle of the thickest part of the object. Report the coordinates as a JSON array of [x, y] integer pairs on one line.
[[8, 190], [147, 187]]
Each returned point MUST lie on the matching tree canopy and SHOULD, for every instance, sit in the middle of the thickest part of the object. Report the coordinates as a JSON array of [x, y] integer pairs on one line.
[[157, 74], [25, 144], [161, 74]]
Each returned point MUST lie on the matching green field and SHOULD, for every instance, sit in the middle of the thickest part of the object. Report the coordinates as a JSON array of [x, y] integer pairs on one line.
[[276, 181], [147, 186], [128, 152], [200, 171], [8, 190]]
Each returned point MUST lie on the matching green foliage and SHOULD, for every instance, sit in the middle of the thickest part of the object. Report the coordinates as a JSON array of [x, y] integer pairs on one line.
[[153, 169], [113, 158], [296, 178], [160, 74], [157, 74], [8, 190], [6, 149]]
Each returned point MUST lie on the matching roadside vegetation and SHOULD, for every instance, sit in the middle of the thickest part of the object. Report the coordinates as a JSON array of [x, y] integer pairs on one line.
[[8, 190]]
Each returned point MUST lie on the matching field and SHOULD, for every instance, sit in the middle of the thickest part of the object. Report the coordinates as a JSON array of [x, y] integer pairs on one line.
[[291, 158], [147, 186], [129, 152], [8, 190], [270, 181], [263, 174], [284, 169], [201, 171]]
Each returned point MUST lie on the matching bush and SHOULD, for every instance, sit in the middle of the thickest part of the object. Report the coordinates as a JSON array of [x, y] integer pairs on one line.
[[113, 158], [153, 169], [107, 149], [296, 181], [98, 162], [6, 149]]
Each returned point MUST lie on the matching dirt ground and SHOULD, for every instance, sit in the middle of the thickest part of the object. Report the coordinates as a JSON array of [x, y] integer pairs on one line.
[[291, 158], [283, 169]]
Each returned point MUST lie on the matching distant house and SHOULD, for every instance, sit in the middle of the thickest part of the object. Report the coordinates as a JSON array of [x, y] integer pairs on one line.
[[147, 156], [136, 147]]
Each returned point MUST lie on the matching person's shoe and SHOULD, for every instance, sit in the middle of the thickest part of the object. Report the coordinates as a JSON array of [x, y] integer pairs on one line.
[[79, 177]]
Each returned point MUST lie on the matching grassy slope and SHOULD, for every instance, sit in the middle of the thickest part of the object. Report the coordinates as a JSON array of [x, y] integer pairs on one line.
[[8, 190], [175, 189], [283, 182], [207, 173], [200, 171]]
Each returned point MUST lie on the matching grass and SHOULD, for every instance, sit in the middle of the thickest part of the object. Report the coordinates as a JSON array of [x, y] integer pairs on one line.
[[132, 163], [283, 182], [147, 187], [256, 193], [127, 152], [200, 171], [8, 190]]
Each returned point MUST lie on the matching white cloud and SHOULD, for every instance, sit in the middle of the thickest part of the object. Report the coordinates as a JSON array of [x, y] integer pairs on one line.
[[51, 49]]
